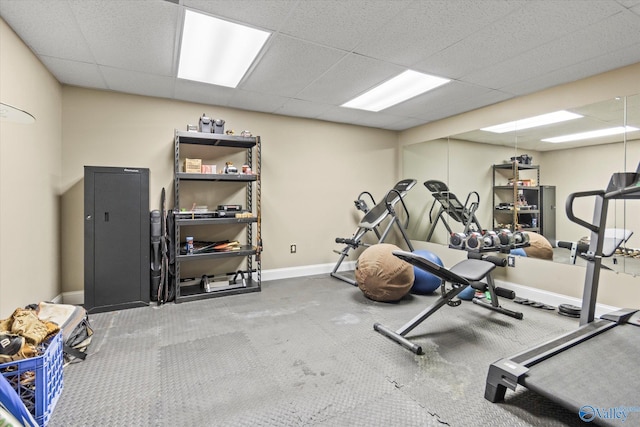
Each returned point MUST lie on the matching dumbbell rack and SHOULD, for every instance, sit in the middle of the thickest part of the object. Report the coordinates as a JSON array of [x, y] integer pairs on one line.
[[503, 242]]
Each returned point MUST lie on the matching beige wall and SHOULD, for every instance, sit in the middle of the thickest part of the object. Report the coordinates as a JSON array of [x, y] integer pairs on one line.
[[311, 170], [30, 169]]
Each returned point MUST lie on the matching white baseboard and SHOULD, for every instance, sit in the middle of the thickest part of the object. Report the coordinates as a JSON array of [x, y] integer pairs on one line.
[[77, 297], [550, 298], [546, 297], [73, 297], [305, 270]]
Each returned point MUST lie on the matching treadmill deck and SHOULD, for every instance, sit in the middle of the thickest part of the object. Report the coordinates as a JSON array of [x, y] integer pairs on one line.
[[602, 373]]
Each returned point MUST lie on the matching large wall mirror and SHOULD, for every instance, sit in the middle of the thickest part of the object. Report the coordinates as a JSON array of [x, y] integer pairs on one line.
[[465, 164]]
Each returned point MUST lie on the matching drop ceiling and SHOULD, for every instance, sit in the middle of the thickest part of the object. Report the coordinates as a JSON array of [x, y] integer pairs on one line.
[[323, 53], [616, 112]]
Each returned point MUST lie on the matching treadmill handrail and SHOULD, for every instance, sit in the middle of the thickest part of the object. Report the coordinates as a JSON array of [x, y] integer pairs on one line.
[[569, 208]]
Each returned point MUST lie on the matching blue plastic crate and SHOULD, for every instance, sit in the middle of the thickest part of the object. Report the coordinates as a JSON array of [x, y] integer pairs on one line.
[[38, 380]]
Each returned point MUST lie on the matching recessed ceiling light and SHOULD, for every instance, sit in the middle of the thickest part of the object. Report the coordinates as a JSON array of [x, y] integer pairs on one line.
[[400, 88], [215, 51], [531, 122], [592, 134]]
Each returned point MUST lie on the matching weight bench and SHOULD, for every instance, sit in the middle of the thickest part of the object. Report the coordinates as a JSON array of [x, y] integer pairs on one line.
[[372, 220], [451, 205], [466, 273], [613, 238]]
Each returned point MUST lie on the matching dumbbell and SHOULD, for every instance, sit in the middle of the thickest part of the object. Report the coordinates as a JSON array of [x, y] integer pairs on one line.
[[474, 241], [457, 240], [505, 237], [490, 238], [520, 238]]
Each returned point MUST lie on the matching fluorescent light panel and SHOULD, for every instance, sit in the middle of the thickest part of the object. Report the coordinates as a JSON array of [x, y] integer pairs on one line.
[[215, 51], [400, 88], [591, 134], [532, 122]]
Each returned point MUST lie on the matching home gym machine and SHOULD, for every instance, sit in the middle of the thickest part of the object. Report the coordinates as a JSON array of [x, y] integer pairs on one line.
[[469, 272], [451, 205], [594, 368], [372, 221]]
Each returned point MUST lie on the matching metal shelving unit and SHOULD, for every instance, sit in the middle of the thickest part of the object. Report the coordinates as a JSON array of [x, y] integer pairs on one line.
[[509, 196], [249, 277]]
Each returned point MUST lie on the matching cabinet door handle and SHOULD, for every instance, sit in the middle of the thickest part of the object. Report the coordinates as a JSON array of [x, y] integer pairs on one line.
[[106, 217]]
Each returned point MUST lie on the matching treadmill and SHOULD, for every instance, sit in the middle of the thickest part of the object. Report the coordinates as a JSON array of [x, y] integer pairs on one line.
[[593, 371]]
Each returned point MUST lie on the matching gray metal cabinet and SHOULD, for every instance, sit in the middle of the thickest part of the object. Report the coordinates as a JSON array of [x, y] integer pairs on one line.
[[116, 238], [548, 212]]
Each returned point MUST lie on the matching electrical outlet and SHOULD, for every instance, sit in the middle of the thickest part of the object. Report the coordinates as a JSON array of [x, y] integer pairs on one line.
[[511, 261], [293, 249]]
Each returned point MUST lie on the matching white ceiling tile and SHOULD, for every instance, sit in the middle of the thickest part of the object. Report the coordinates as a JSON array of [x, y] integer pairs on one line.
[[133, 35], [289, 65], [462, 105], [378, 120], [350, 77], [330, 22], [439, 99], [128, 81], [427, 27], [36, 29], [188, 90], [266, 14], [629, 3], [75, 73], [301, 108], [538, 23], [255, 101], [405, 123], [575, 48], [344, 115], [601, 64]]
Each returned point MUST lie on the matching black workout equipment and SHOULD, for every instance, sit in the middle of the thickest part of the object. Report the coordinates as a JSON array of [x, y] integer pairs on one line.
[[451, 205], [569, 310], [466, 273], [373, 220], [613, 239], [595, 366]]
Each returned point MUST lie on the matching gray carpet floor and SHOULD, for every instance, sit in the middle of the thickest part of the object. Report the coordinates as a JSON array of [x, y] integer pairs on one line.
[[303, 352]]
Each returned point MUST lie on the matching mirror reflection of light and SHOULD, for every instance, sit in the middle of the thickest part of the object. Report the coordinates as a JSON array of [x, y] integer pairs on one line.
[[591, 134], [532, 122]]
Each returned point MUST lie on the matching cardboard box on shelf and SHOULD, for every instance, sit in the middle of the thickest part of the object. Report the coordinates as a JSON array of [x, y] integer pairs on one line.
[[193, 165]]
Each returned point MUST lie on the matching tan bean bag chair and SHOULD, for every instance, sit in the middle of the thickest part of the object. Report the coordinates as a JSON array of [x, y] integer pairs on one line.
[[381, 276], [539, 247]]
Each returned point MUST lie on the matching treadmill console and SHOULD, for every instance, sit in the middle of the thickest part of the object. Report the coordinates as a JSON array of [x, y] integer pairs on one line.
[[624, 185]]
